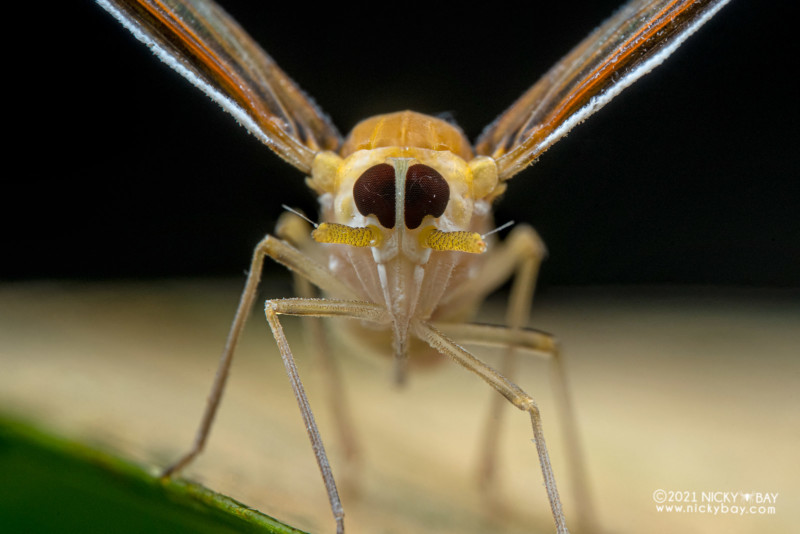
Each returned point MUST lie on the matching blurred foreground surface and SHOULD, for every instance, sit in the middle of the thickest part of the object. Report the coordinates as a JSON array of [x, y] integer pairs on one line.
[[677, 390]]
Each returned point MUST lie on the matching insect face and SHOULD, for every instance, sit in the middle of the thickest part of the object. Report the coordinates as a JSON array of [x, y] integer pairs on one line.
[[411, 215]]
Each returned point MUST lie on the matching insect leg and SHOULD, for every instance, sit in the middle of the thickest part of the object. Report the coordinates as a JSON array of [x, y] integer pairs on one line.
[[545, 345], [315, 308], [520, 256], [524, 251], [524, 340], [218, 386], [290, 257], [297, 231], [512, 393]]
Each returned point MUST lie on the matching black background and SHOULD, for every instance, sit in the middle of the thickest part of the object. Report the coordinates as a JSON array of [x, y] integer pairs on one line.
[[689, 177]]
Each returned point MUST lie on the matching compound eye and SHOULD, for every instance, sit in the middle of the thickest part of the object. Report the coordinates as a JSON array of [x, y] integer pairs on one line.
[[427, 193], [374, 194]]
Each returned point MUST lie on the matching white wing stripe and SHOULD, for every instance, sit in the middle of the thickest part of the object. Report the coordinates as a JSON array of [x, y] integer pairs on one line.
[[239, 114]]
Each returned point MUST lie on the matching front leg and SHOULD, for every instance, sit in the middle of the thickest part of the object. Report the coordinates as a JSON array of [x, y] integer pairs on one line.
[[542, 344], [520, 257], [513, 394], [297, 231], [316, 308], [298, 263]]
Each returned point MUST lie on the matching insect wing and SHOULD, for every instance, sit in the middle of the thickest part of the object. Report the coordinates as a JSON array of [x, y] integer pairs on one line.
[[206, 46], [627, 46]]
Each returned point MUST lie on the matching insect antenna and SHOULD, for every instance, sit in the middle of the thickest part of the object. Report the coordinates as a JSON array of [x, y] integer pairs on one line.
[[499, 228], [299, 214]]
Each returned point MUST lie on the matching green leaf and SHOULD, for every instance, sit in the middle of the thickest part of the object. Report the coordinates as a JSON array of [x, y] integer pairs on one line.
[[50, 484]]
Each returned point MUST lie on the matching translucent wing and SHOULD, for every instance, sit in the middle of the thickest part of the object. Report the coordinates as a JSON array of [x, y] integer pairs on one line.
[[627, 46], [206, 46]]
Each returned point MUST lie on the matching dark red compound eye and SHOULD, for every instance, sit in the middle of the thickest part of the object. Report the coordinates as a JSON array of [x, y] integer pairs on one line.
[[374, 194], [427, 193]]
